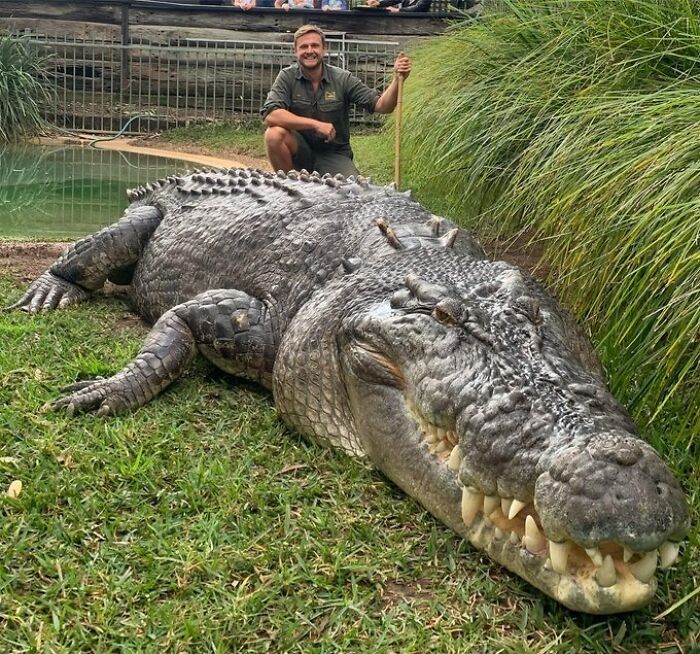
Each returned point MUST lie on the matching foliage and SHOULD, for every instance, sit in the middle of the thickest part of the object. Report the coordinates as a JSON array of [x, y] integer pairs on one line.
[[199, 523], [22, 89], [579, 122]]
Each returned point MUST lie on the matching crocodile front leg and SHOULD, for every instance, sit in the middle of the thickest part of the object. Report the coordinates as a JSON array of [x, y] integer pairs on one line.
[[89, 262], [234, 330]]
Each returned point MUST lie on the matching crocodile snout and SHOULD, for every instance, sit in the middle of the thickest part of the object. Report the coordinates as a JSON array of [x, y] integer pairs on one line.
[[611, 489]]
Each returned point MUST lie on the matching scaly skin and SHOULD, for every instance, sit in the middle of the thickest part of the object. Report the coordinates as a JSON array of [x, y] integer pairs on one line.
[[383, 330]]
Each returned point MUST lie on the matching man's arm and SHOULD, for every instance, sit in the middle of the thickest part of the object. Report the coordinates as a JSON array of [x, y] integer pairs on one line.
[[387, 100], [288, 120]]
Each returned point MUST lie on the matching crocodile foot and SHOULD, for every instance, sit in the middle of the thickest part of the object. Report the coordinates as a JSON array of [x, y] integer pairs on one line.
[[49, 292]]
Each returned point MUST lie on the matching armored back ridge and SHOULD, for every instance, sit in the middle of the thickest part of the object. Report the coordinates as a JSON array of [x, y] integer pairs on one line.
[[384, 330]]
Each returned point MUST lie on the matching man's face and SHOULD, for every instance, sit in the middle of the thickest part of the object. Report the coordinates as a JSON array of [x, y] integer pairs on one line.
[[309, 51]]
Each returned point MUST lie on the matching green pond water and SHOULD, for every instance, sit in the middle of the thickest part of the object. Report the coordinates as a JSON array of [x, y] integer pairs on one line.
[[68, 192]]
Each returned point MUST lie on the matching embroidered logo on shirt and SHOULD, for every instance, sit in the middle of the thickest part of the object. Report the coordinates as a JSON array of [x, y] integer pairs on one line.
[[330, 94]]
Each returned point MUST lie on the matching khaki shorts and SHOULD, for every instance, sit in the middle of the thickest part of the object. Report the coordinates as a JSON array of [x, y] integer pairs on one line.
[[323, 161]]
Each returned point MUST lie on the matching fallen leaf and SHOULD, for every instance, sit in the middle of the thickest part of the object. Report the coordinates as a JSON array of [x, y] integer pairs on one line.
[[14, 489]]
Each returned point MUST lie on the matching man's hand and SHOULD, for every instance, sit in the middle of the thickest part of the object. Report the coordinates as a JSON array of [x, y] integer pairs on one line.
[[326, 130], [402, 66], [372, 3]]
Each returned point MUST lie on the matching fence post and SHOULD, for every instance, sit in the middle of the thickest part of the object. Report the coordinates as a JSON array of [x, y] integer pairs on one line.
[[125, 73]]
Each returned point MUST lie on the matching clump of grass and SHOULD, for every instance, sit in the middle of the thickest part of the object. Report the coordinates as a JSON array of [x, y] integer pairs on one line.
[[578, 122], [22, 89]]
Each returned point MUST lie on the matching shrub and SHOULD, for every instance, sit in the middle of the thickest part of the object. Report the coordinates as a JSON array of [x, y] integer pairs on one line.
[[579, 121], [22, 89]]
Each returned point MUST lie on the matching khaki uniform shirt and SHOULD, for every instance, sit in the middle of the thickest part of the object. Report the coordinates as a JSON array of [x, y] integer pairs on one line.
[[331, 103]]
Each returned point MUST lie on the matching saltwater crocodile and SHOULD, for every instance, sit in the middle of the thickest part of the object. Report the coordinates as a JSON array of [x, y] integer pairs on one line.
[[384, 330]]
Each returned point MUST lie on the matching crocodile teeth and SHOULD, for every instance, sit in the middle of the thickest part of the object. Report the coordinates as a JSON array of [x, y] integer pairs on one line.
[[596, 556], [497, 533], [669, 554], [491, 503], [644, 568], [627, 554], [514, 538], [516, 507], [559, 553], [534, 541], [606, 575], [472, 501], [505, 505], [455, 459]]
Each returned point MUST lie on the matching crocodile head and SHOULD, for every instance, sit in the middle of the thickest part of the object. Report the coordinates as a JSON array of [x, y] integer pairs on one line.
[[477, 399]]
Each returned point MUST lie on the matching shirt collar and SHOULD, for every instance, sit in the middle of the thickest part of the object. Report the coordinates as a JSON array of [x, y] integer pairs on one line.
[[324, 76]]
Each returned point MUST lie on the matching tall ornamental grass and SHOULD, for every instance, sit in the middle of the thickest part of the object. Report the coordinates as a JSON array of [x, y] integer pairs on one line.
[[579, 121], [22, 89]]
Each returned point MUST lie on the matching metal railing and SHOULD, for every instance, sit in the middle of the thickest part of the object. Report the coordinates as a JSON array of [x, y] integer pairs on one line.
[[99, 85], [436, 6]]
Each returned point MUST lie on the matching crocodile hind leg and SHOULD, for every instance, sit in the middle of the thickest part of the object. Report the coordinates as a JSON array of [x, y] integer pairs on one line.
[[89, 262], [234, 330]]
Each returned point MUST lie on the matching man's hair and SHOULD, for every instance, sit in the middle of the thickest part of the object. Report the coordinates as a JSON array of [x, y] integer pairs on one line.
[[307, 29]]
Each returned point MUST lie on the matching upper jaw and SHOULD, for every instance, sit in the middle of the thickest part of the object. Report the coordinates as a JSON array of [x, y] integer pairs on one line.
[[605, 578], [594, 574]]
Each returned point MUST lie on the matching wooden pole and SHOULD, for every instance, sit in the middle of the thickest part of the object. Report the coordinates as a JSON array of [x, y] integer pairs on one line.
[[397, 134], [125, 74]]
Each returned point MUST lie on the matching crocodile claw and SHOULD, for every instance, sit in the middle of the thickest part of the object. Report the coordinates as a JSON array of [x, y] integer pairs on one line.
[[49, 292], [100, 395]]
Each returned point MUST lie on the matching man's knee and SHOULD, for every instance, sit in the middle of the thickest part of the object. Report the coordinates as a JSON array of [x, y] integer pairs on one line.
[[276, 137]]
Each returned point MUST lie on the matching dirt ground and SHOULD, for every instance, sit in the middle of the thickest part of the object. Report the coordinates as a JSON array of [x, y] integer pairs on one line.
[[26, 260], [158, 147]]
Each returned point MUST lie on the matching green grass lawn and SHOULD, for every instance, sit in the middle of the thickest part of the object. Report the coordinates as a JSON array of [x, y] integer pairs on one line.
[[200, 523]]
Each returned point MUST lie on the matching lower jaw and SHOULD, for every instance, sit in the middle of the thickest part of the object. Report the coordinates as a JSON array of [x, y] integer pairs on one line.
[[579, 592]]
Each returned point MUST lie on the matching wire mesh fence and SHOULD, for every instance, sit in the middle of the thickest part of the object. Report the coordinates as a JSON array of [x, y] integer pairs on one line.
[[100, 85]]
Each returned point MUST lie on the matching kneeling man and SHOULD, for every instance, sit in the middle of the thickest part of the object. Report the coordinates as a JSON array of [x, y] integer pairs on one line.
[[307, 109]]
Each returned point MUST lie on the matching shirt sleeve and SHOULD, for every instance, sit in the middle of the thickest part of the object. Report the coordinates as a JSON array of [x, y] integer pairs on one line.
[[280, 94], [357, 92]]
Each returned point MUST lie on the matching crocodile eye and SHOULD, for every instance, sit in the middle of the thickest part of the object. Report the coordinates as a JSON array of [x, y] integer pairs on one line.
[[447, 313]]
